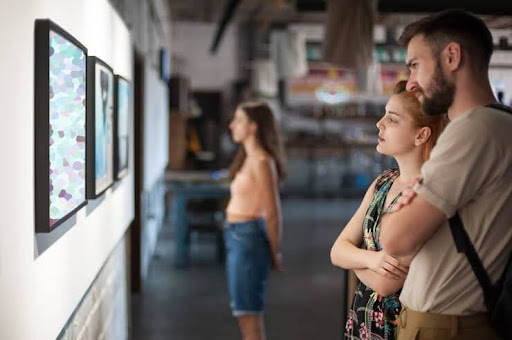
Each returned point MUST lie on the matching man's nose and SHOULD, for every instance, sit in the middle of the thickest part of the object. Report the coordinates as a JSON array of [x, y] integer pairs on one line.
[[411, 84]]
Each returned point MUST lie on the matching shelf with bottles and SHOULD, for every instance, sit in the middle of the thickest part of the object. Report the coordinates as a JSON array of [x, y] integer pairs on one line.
[[328, 146], [334, 134], [335, 173], [348, 110]]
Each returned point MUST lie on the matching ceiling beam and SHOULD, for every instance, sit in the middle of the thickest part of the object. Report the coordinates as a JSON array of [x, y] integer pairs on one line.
[[489, 7], [227, 14]]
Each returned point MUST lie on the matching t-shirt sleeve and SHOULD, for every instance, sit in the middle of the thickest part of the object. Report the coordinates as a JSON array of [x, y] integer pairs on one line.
[[461, 164]]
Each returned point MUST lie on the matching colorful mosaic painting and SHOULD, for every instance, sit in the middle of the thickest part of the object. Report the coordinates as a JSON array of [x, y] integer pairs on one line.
[[104, 111], [67, 126], [123, 125]]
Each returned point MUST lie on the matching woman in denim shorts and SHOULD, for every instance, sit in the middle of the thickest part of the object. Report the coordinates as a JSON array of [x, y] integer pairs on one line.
[[254, 224]]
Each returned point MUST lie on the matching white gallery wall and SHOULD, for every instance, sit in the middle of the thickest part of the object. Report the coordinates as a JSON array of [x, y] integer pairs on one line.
[[38, 294], [156, 126], [156, 155]]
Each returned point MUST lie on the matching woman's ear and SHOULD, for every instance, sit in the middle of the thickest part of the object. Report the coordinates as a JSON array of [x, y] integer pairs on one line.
[[422, 136]]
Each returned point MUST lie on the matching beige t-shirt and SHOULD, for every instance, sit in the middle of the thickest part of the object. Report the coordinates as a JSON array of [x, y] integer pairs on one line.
[[470, 171]]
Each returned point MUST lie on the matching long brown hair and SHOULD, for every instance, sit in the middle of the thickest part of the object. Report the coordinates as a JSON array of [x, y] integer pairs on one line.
[[436, 123], [266, 135]]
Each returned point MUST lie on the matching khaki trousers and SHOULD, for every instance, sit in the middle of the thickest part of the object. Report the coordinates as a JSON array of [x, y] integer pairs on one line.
[[414, 325]]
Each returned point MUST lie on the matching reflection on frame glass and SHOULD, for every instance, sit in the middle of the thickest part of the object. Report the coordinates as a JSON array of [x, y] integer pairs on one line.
[[60, 125], [100, 148], [122, 118]]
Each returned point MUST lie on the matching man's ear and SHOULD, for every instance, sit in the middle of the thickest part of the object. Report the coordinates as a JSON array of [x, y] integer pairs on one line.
[[422, 136], [452, 56]]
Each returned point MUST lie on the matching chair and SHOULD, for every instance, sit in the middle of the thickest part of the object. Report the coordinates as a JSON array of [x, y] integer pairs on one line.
[[207, 215]]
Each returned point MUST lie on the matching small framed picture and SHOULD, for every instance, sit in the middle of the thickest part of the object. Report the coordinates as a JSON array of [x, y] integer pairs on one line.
[[100, 127], [122, 119]]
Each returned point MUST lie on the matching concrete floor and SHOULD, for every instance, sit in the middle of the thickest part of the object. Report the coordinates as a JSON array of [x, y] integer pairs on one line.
[[306, 302]]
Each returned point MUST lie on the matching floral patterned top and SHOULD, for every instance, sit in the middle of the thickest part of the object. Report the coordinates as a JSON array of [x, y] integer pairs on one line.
[[373, 316]]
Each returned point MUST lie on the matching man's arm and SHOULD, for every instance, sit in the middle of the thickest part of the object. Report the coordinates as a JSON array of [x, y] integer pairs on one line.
[[456, 160], [406, 230]]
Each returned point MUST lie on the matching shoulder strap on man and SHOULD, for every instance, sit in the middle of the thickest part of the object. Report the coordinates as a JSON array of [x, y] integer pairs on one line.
[[500, 107], [464, 245]]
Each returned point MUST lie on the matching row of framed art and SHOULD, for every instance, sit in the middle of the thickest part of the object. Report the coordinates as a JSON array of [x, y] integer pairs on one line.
[[82, 124]]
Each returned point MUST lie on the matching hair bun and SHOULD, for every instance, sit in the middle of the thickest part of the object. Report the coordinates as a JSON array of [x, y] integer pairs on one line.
[[400, 87]]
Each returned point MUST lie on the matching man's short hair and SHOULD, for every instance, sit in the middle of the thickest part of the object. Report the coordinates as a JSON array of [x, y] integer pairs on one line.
[[453, 25]]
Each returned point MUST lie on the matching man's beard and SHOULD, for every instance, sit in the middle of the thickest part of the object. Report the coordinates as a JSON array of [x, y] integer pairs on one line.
[[441, 94]]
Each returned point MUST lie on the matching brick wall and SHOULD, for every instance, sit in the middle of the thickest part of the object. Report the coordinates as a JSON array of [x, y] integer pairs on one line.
[[103, 312]]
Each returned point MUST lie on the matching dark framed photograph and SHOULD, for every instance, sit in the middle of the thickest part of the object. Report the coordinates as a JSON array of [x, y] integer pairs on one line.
[[60, 120], [100, 127], [122, 119]]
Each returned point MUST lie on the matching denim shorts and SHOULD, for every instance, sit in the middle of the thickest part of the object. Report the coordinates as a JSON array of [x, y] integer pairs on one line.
[[248, 262]]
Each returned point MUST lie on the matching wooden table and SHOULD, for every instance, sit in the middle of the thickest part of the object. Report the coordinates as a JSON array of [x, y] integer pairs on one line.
[[184, 186]]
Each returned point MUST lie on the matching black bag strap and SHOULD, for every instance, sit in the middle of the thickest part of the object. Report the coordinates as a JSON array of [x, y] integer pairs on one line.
[[464, 245], [500, 107]]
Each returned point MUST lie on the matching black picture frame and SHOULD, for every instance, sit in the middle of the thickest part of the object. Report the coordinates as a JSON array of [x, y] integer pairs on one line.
[[51, 140], [95, 187], [121, 142]]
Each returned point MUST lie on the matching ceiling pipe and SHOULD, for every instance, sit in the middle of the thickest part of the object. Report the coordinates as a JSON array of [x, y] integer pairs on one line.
[[227, 14], [490, 7]]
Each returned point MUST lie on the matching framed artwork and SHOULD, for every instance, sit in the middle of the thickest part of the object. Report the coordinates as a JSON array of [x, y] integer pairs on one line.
[[60, 116], [100, 127], [122, 118]]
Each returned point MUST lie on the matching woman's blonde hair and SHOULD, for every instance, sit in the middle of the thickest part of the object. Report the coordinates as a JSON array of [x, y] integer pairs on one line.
[[412, 106]]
